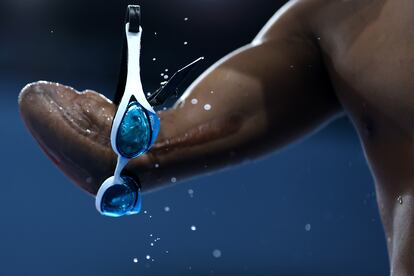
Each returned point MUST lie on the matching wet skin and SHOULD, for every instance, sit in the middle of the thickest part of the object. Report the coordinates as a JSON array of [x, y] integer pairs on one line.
[[313, 62]]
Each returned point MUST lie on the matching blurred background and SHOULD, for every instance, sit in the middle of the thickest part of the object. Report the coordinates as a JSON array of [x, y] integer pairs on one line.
[[310, 210]]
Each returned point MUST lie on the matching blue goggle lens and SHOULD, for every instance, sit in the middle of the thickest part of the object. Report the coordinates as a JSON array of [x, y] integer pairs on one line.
[[121, 199], [134, 133]]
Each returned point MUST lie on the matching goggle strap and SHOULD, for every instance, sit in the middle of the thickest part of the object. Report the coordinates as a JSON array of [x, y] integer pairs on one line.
[[172, 86], [133, 17]]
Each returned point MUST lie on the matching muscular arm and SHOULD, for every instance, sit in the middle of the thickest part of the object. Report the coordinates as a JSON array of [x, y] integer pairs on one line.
[[255, 100]]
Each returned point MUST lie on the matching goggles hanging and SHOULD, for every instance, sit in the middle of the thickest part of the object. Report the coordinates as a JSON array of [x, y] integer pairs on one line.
[[136, 125]]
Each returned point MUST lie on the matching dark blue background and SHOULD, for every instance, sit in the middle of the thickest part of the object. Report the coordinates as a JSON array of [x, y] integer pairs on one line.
[[255, 214]]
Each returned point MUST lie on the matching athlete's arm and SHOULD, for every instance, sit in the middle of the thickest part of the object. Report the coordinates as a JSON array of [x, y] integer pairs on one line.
[[255, 100]]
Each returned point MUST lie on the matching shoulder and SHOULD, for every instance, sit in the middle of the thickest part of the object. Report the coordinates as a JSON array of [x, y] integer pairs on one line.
[[295, 18]]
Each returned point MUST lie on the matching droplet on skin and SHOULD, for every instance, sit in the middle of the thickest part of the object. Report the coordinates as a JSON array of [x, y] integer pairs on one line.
[[308, 227], [173, 179], [216, 253], [166, 209], [400, 200], [194, 101], [212, 92], [193, 228], [135, 260], [88, 131], [207, 107]]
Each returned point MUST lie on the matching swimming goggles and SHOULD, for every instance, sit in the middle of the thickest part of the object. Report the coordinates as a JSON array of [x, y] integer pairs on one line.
[[136, 124]]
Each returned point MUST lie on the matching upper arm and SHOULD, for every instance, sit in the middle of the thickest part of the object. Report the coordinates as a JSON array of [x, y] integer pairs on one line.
[[277, 85], [256, 99]]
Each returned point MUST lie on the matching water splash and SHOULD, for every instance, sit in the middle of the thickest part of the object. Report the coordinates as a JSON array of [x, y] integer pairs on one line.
[[216, 253]]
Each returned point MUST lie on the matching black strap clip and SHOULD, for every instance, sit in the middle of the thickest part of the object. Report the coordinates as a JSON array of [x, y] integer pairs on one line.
[[133, 17]]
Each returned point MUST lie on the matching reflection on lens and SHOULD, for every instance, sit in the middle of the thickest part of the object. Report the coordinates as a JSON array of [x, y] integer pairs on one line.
[[134, 132], [120, 199]]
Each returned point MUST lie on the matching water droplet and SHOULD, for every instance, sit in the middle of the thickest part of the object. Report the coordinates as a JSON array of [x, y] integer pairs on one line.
[[154, 59], [185, 42], [155, 33], [194, 101], [166, 76], [308, 227], [162, 74], [191, 192], [151, 244], [157, 165], [185, 18], [148, 257], [400, 200], [145, 213], [193, 228], [148, 94], [52, 31], [166, 209], [212, 92], [135, 260], [166, 70], [216, 253], [207, 107], [60, 108], [173, 179], [150, 235], [88, 131], [166, 251], [318, 38]]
